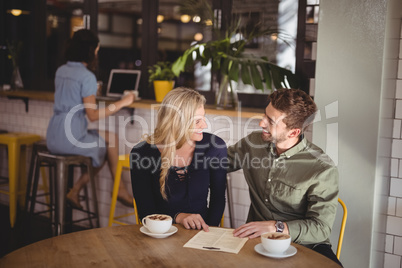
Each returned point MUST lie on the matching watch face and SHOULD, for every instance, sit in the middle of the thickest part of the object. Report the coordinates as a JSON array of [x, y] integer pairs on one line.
[[279, 226]]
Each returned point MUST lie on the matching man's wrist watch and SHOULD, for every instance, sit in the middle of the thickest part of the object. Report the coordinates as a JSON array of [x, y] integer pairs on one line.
[[279, 226]]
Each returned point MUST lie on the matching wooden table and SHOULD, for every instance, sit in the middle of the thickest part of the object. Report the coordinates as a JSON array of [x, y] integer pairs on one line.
[[126, 246]]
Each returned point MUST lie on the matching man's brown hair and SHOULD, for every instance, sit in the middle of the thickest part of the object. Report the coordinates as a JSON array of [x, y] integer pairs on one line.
[[296, 104]]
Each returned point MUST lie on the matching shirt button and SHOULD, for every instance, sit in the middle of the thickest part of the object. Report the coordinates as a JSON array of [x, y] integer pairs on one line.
[[276, 160], [269, 179], [266, 200]]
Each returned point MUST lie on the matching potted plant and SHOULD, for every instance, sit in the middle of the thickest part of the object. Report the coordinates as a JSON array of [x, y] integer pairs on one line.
[[14, 50], [228, 56], [162, 78]]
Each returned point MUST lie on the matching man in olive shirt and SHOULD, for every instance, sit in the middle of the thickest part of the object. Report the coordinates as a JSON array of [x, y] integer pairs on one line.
[[293, 184]]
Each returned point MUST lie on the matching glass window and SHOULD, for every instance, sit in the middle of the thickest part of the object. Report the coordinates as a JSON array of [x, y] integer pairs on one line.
[[119, 30]]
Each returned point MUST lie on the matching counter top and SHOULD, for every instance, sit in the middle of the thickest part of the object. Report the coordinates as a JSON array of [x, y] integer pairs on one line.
[[34, 95], [26, 95]]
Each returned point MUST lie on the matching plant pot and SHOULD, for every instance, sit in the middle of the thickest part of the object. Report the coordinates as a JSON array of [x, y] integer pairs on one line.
[[226, 96], [162, 88], [16, 80]]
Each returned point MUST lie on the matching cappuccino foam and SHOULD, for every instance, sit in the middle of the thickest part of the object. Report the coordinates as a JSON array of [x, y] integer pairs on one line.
[[159, 217], [276, 236]]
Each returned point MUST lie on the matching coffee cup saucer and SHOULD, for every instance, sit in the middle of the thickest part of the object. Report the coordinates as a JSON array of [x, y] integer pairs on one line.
[[288, 253], [171, 231]]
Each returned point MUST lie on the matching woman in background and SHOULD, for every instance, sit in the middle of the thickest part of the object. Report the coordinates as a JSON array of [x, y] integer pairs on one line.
[[75, 99], [178, 166]]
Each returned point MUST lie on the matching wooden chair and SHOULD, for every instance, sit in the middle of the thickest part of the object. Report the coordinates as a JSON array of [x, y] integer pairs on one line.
[[343, 225]]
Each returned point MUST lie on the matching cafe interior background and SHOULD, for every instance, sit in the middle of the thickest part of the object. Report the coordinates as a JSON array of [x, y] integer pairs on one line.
[[350, 61]]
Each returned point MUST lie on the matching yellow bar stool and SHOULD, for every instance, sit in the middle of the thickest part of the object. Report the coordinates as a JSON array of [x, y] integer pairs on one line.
[[16, 143], [123, 163]]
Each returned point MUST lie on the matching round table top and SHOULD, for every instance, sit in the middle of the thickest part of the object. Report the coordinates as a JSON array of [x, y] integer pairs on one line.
[[126, 246]]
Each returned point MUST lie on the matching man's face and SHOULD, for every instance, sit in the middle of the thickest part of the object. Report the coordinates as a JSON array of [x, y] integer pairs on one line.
[[273, 128]]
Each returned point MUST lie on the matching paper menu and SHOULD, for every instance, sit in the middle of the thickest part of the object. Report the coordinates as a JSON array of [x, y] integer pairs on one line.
[[217, 239]]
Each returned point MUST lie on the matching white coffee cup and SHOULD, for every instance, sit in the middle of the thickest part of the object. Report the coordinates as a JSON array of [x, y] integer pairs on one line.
[[275, 243], [157, 223]]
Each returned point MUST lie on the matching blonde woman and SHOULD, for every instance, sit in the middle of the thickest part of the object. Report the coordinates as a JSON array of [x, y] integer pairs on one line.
[[177, 167]]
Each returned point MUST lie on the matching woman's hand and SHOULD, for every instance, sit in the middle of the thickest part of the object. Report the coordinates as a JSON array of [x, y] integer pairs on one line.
[[127, 99], [94, 113], [192, 221]]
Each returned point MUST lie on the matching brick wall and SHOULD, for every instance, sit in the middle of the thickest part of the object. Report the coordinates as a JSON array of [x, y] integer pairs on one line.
[[393, 238]]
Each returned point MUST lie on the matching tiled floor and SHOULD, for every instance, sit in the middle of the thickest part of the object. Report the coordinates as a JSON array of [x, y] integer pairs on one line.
[[22, 234]]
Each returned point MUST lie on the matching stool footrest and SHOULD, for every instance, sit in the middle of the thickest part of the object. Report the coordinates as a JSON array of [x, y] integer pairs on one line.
[[119, 222], [124, 215], [83, 219], [42, 212]]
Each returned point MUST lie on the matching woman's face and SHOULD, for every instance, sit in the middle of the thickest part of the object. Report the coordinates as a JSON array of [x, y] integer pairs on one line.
[[199, 125]]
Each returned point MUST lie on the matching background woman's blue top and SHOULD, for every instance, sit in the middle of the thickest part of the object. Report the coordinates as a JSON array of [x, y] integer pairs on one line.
[[206, 174], [68, 132]]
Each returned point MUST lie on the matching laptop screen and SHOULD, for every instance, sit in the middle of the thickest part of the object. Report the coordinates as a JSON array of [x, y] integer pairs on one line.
[[121, 80]]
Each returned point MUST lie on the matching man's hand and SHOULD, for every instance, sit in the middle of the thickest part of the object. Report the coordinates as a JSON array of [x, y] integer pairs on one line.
[[192, 221], [255, 229]]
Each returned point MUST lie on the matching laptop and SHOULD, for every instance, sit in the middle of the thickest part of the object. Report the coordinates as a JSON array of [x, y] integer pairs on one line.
[[119, 81]]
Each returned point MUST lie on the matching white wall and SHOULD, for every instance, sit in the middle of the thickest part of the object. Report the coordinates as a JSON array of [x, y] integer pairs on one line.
[[350, 72]]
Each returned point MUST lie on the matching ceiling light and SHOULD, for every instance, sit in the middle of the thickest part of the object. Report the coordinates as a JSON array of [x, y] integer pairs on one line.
[[208, 22], [160, 18], [185, 18], [196, 19], [17, 12], [198, 37]]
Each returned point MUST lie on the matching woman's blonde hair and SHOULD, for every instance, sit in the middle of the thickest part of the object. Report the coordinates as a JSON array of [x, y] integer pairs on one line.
[[175, 121]]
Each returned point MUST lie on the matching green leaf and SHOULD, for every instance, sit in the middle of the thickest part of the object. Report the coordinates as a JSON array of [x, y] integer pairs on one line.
[[267, 75], [225, 66], [179, 64], [161, 71], [216, 63], [256, 77], [293, 80], [198, 55], [186, 59], [206, 56], [234, 71], [277, 76], [245, 74]]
